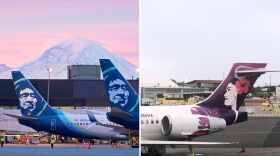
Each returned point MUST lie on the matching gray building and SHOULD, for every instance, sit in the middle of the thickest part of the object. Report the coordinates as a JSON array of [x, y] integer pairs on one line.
[[84, 72], [63, 93], [210, 84], [173, 92]]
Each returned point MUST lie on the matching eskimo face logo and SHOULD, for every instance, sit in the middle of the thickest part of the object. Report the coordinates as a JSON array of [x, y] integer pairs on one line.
[[27, 100], [118, 92]]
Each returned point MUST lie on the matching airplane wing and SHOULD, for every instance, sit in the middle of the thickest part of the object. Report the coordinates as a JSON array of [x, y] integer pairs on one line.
[[117, 112], [118, 128], [21, 117], [161, 142], [111, 126]]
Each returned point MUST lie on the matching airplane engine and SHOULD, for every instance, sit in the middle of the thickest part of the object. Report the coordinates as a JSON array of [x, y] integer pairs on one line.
[[166, 125], [185, 127], [176, 126]]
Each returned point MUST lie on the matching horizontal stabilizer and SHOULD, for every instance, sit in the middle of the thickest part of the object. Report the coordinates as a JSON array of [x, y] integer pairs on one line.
[[117, 112], [260, 70], [21, 117], [160, 142]]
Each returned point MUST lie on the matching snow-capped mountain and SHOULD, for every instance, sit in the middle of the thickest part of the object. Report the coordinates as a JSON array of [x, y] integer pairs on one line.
[[71, 52], [4, 68]]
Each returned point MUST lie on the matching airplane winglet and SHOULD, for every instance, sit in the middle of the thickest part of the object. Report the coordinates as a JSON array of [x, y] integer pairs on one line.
[[91, 117]]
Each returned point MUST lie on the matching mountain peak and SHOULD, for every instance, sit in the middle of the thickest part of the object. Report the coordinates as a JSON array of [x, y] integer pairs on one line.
[[4, 67], [74, 51]]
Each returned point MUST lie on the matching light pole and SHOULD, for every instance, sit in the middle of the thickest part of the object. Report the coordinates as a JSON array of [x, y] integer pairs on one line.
[[49, 71]]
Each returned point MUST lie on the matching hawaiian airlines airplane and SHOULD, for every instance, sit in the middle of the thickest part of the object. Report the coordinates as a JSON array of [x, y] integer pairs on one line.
[[39, 115], [178, 125], [123, 99]]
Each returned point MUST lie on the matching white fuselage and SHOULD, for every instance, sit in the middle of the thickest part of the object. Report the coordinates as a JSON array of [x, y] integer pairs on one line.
[[176, 123], [81, 125]]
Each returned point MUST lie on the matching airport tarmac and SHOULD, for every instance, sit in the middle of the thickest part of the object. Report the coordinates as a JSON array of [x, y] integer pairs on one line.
[[224, 152], [65, 150], [257, 132]]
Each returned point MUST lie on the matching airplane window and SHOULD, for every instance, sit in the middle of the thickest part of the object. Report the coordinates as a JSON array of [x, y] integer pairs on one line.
[[142, 122], [87, 123], [157, 121], [147, 121], [83, 123], [152, 122]]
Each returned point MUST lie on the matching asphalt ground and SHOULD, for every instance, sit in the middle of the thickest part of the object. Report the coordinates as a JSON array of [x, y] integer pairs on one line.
[[65, 150], [224, 152], [257, 132]]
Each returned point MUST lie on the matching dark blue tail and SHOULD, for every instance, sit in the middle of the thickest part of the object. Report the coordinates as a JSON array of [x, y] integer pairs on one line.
[[119, 91], [31, 102]]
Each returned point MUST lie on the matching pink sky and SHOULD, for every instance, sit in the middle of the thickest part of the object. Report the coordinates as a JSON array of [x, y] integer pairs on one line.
[[28, 28]]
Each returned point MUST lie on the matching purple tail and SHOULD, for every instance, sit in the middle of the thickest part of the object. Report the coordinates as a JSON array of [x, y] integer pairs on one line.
[[230, 94]]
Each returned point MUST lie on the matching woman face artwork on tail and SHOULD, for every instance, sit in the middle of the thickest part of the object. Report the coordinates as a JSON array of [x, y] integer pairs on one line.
[[236, 89], [231, 96]]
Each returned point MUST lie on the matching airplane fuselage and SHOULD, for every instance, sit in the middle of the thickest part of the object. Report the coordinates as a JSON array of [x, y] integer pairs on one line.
[[176, 123], [75, 125]]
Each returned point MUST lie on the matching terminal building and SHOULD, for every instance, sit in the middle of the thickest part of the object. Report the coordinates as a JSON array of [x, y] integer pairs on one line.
[[63, 93], [173, 92], [184, 91], [210, 84], [84, 89]]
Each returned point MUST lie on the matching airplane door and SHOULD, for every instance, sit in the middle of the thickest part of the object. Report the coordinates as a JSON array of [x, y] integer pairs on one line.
[[53, 124]]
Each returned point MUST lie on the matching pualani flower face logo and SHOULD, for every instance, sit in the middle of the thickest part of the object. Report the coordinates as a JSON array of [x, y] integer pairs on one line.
[[242, 86], [27, 101], [118, 93]]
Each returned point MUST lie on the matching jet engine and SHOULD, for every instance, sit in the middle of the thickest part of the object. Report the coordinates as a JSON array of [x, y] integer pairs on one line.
[[184, 126]]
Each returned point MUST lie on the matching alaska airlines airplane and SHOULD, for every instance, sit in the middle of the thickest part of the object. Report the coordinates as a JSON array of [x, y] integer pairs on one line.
[[123, 99], [178, 125], [39, 115]]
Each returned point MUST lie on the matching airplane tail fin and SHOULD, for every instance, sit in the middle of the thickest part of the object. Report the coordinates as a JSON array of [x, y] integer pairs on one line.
[[32, 104], [120, 92], [230, 94]]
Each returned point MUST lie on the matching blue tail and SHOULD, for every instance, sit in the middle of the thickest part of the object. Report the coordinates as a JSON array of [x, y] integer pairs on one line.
[[123, 99], [119, 91], [31, 102]]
